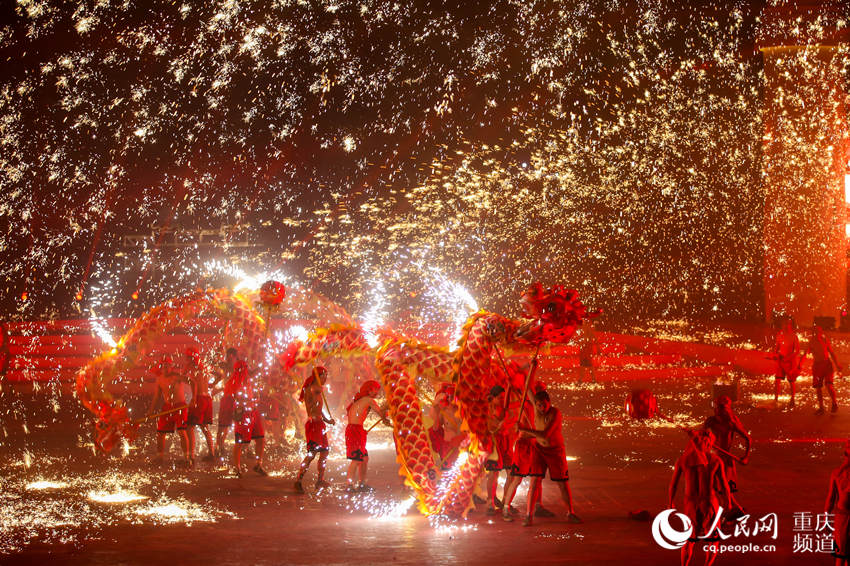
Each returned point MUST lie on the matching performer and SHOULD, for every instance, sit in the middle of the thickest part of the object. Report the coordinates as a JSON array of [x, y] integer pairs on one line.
[[355, 434], [247, 418], [822, 368], [787, 353], [172, 389], [838, 502], [225, 408], [200, 410], [503, 440], [703, 472], [526, 461], [725, 424], [553, 456], [445, 434], [291, 412], [314, 428]]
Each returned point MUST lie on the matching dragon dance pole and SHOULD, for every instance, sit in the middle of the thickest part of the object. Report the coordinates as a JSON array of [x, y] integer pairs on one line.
[[324, 399], [507, 374], [531, 371]]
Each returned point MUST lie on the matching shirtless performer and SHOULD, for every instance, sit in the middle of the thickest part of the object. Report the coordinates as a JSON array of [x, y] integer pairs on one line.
[[725, 424], [838, 502], [787, 353], [822, 369], [550, 445], [355, 434], [200, 410], [314, 428], [445, 434], [703, 471], [172, 389], [247, 419]]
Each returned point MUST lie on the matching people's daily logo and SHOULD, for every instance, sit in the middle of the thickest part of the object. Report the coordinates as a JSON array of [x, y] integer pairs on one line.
[[666, 535]]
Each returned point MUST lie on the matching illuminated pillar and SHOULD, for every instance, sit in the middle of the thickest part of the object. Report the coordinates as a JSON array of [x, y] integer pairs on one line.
[[803, 163]]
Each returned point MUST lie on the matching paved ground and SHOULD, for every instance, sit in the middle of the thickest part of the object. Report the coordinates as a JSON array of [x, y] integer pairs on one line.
[[205, 516]]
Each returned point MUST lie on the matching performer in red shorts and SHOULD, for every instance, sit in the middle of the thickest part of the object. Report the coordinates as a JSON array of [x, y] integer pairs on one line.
[[225, 408], [200, 410], [355, 434], [525, 462], [838, 502], [501, 456], [445, 433], [822, 370], [787, 353], [550, 446], [314, 428], [172, 389], [247, 418]]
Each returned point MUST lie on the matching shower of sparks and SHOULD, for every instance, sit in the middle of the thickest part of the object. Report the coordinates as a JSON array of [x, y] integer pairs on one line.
[[374, 318], [165, 511], [379, 509], [70, 508], [615, 146], [102, 332]]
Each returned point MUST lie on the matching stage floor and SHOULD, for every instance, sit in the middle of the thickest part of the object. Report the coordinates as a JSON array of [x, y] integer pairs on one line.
[[83, 510]]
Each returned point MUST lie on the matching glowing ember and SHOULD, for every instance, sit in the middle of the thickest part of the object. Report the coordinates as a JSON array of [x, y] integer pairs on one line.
[[45, 484]]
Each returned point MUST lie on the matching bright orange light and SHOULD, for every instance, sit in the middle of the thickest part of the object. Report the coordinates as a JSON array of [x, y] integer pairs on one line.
[[24, 296], [135, 295]]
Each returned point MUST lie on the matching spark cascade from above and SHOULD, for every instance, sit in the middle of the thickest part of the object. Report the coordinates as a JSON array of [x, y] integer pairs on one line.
[[615, 145]]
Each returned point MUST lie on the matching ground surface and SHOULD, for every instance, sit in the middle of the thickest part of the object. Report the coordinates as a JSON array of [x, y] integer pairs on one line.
[[205, 516]]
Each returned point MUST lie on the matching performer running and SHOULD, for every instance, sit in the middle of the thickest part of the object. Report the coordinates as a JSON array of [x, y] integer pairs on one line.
[[787, 353], [725, 424], [838, 502], [703, 472], [225, 408], [200, 410], [314, 428], [355, 434], [822, 368], [550, 445], [172, 389], [503, 440], [247, 418]]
